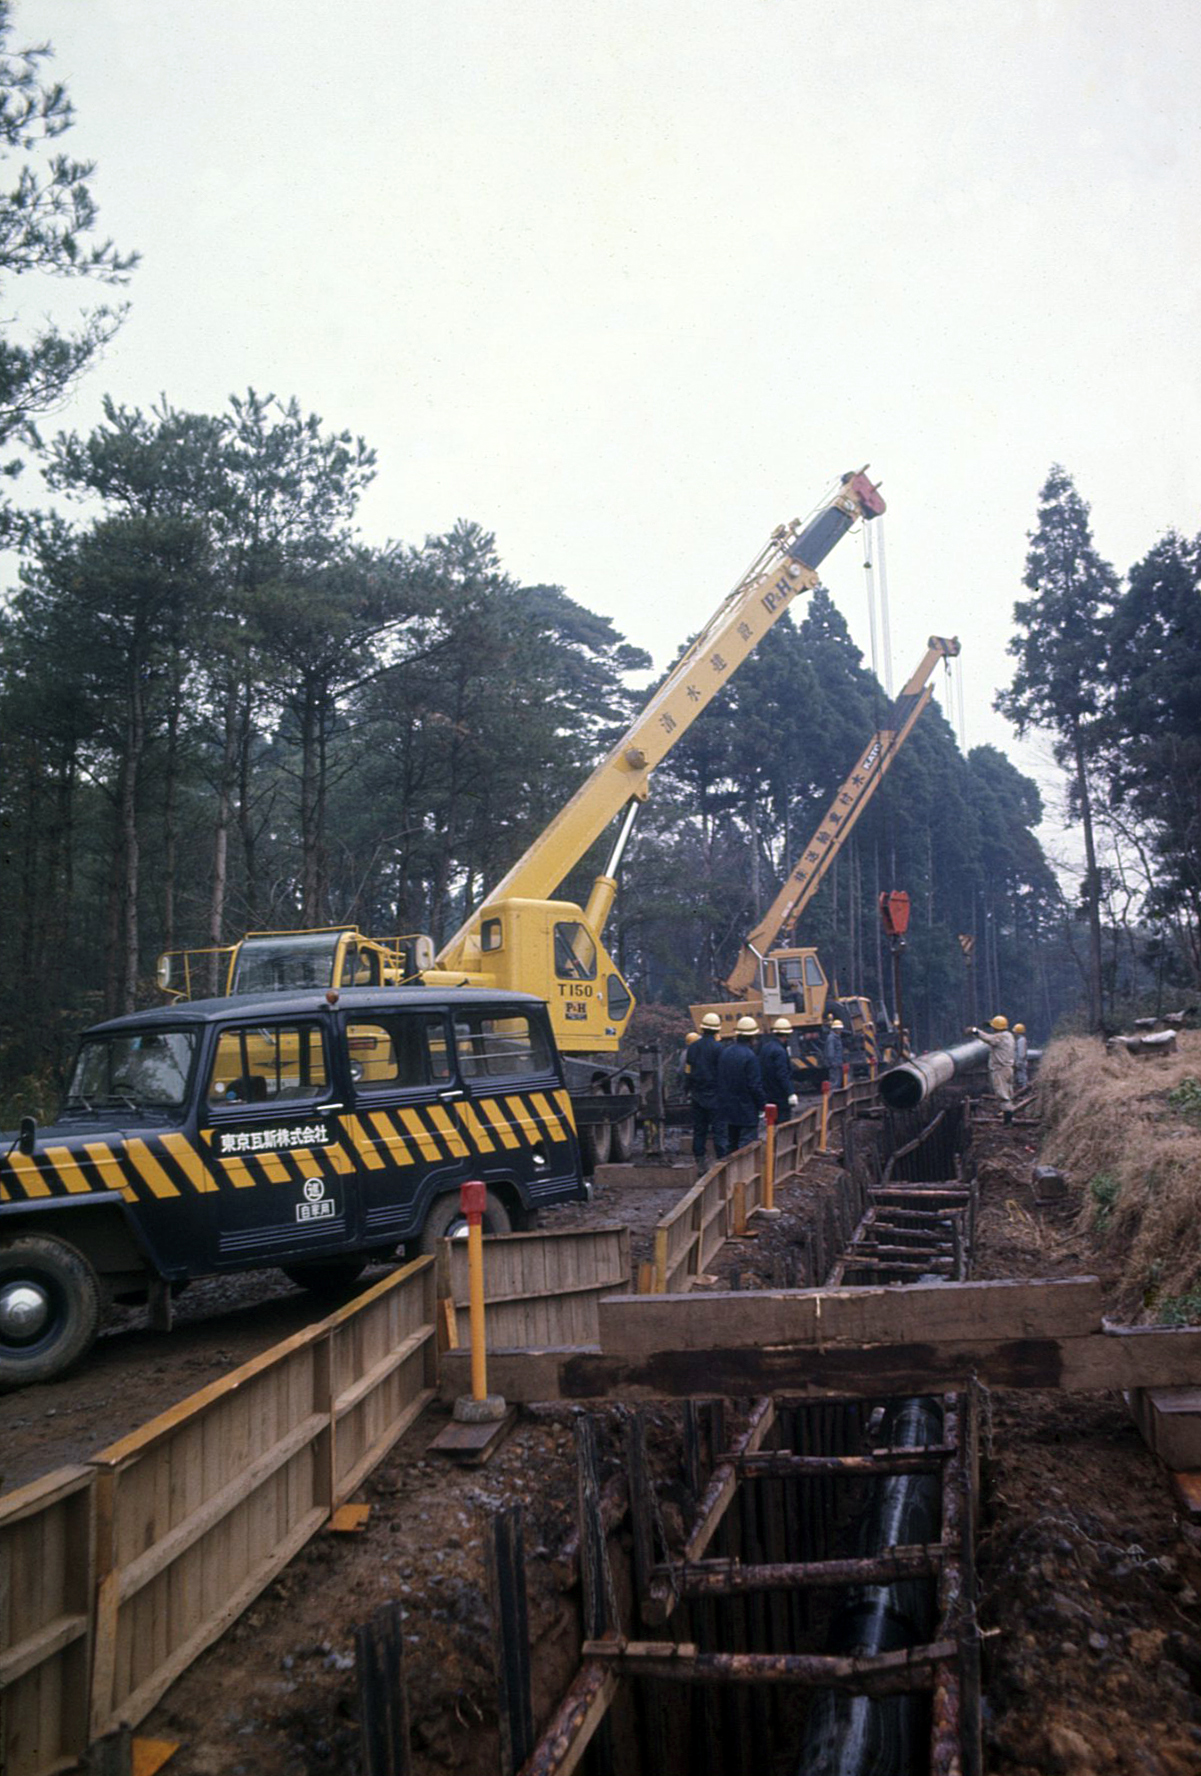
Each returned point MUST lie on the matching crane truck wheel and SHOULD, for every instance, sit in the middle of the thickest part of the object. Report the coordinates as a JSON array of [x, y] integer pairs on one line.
[[446, 1220], [49, 1309], [625, 1131], [334, 1277], [595, 1143]]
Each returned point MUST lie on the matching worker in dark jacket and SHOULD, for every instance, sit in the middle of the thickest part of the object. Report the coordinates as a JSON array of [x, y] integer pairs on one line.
[[740, 1094], [775, 1066], [700, 1077], [833, 1053]]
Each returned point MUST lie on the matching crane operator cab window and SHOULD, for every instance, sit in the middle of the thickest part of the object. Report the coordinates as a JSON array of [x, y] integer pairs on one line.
[[360, 967], [575, 951], [796, 975]]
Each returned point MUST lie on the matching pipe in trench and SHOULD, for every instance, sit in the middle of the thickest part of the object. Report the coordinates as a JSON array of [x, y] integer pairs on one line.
[[906, 1085], [883, 1736]]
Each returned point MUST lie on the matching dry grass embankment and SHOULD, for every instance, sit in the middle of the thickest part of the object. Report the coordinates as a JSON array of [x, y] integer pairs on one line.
[[1127, 1133]]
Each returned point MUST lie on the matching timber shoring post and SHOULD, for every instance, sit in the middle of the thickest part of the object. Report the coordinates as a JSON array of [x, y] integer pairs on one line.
[[504, 1552], [641, 1506], [692, 1451], [383, 1698], [594, 1567], [969, 1480], [757, 1631]]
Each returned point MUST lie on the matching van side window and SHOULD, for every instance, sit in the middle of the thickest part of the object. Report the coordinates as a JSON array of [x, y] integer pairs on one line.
[[398, 1051], [494, 1046], [271, 1064]]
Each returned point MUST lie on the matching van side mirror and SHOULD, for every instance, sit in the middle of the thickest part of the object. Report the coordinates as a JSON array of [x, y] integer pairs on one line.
[[27, 1135]]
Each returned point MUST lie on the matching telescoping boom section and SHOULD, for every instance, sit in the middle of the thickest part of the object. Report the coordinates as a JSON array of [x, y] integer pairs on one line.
[[852, 798], [554, 948]]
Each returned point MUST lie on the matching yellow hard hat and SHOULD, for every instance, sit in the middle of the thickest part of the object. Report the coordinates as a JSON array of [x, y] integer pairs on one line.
[[710, 1021], [998, 1023], [692, 1036], [781, 1027], [746, 1026], [1019, 1029], [837, 1024]]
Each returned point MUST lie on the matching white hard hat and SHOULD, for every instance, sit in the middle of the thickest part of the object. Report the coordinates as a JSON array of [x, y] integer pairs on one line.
[[781, 1027], [710, 1021], [746, 1026]]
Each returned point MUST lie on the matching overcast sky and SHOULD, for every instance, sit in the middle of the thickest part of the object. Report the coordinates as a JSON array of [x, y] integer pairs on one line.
[[630, 283]]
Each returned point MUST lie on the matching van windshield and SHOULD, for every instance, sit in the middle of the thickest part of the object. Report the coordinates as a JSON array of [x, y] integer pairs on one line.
[[286, 964], [138, 1069]]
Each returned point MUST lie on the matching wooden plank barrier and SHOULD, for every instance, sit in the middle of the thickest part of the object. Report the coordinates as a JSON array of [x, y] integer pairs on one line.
[[116, 1574], [540, 1288], [199, 1510], [692, 1232], [46, 1572]]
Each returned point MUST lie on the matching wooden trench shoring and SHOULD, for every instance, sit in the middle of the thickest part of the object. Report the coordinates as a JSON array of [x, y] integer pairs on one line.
[[722, 1645]]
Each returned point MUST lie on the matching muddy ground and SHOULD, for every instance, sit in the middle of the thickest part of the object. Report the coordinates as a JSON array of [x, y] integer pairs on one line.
[[1090, 1572]]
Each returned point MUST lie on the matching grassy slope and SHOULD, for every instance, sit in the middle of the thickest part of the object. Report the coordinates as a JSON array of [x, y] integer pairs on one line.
[[1134, 1159]]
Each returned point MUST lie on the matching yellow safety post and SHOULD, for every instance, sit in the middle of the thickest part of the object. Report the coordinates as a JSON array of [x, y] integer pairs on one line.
[[482, 1406], [821, 1143], [471, 1201], [771, 1116]]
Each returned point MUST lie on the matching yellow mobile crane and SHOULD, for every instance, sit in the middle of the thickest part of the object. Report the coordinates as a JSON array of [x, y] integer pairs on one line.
[[519, 937], [769, 981]]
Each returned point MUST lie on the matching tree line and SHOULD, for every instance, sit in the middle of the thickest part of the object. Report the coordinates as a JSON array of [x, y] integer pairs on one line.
[[1112, 671], [222, 710]]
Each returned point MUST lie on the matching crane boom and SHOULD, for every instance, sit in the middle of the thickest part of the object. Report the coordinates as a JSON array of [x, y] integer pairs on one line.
[[786, 566], [850, 801]]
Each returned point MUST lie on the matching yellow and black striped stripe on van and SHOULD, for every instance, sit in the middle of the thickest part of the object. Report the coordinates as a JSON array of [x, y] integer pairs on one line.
[[162, 1166]]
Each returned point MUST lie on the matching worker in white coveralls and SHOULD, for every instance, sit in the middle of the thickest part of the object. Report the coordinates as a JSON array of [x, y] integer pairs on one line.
[[1001, 1050], [1021, 1058]]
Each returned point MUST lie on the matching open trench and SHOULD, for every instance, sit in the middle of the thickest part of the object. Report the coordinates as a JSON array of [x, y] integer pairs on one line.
[[820, 1615]]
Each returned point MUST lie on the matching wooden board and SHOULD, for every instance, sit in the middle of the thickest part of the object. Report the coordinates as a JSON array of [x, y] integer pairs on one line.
[[1170, 1422], [473, 1444], [635, 1325], [1117, 1358]]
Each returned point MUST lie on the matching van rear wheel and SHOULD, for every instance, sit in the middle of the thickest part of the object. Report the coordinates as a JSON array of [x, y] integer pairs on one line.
[[49, 1309], [446, 1220]]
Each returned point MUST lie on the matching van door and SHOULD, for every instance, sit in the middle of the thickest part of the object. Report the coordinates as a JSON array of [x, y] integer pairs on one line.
[[408, 1142], [274, 1132], [515, 1105]]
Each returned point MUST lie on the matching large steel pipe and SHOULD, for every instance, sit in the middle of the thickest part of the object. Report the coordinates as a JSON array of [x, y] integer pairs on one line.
[[905, 1086]]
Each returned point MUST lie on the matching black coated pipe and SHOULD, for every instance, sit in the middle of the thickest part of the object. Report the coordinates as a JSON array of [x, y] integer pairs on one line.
[[864, 1735], [905, 1086]]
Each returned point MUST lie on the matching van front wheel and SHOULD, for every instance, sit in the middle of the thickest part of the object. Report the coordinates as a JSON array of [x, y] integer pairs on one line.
[[49, 1309], [446, 1220]]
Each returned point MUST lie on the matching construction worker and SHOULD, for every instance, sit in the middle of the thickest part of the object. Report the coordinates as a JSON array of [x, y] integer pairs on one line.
[[832, 1053], [775, 1067], [740, 1094], [1021, 1070], [700, 1077], [1000, 1061]]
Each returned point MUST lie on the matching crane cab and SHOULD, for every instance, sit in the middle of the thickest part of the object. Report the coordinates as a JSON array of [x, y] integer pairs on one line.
[[554, 949]]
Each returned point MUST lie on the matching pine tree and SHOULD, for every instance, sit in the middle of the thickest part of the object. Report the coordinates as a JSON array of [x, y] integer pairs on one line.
[[1060, 649]]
